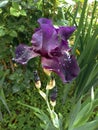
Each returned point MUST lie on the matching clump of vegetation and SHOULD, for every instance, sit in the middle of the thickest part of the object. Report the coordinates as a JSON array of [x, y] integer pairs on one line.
[[66, 106]]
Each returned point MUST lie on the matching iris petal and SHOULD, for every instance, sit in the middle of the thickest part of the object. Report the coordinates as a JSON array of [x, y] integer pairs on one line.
[[66, 32], [60, 49], [45, 40], [65, 66], [50, 40], [37, 39], [45, 21], [24, 54]]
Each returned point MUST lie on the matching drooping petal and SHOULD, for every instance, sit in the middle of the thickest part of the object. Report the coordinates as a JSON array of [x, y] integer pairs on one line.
[[24, 54], [65, 66], [66, 32]]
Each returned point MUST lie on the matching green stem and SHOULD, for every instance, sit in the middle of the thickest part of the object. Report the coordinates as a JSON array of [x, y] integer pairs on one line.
[[47, 101], [51, 111]]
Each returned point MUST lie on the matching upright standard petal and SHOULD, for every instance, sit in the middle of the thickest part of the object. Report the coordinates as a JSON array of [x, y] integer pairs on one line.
[[65, 66], [50, 39], [65, 32], [43, 32], [37, 40], [44, 40], [45, 21], [24, 53]]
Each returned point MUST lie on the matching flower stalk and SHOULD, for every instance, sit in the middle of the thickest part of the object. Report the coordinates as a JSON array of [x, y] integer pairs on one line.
[[45, 95]]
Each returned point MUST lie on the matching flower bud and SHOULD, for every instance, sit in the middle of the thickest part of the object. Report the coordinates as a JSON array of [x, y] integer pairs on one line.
[[38, 84], [53, 94], [47, 72], [51, 84], [36, 76], [37, 80], [53, 103]]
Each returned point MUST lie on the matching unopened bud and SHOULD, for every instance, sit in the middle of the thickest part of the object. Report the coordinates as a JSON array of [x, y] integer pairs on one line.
[[38, 84], [15, 65], [37, 80], [36, 76], [53, 94], [47, 72], [51, 84], [53, 103]]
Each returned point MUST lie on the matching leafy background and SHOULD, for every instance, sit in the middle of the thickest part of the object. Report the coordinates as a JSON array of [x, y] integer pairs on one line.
[[18, 20]]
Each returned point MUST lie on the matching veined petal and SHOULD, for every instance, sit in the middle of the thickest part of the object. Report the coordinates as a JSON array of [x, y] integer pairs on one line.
[[58, 51], [50, 40], [24, 54], [37, 39], [66, 32], [65, 66], [44, 40], [43, 32]]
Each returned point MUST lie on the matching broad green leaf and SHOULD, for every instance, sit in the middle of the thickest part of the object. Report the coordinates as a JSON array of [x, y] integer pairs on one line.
[[2, 98], [2, 31], [21, 28], [80, 24], [93, 73], [16, 5], [1, 118], [0, 11], [55, 119], [80, 118], [23, 12], [14, 12], [74, 113], [84, 114], [13, 33], [93, 125], [40, 114]]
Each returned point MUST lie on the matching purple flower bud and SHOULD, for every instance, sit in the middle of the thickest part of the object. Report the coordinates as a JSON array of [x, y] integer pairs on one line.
[[36, 76], [53, 94], [37, 80]]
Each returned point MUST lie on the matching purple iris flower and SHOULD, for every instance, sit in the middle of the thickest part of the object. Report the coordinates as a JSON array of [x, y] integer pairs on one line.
[[51, 44]]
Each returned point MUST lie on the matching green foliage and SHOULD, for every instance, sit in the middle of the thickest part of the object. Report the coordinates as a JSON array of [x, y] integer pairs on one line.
[[80, 116], [47, 124], [87, 42], [21, 118], [2, 96], [18, 20]]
